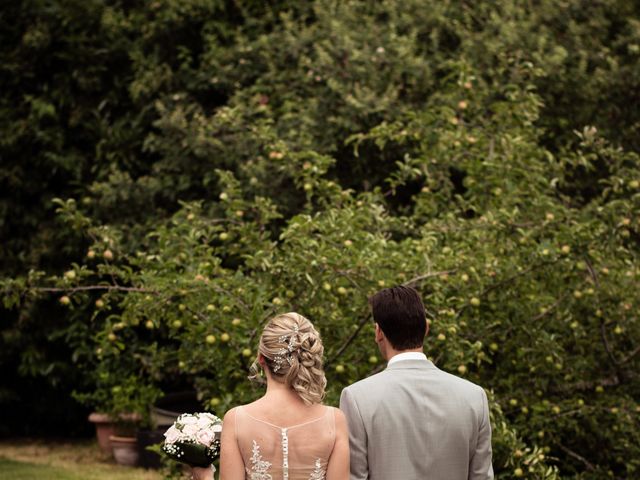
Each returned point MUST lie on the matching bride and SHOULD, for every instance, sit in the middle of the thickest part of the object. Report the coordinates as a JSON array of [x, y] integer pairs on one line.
[[287, 433]]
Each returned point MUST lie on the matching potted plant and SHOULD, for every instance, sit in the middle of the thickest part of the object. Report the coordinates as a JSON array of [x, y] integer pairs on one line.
[[124, 443], [122, 407]]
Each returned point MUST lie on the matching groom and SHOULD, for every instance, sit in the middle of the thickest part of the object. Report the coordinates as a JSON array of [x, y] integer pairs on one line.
[[413, 421]]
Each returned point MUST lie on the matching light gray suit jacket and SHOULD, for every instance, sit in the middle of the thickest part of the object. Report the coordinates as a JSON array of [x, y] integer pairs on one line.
[[413, 421]]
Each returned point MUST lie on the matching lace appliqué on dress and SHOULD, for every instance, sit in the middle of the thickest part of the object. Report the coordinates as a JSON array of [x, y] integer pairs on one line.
[[318, 473], [259, 467]]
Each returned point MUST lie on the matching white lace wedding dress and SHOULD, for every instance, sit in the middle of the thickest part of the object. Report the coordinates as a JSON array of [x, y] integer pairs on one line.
[[297, 452]]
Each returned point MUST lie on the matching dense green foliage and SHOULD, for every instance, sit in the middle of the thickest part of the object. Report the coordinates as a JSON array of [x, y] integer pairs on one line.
[[218, 163]]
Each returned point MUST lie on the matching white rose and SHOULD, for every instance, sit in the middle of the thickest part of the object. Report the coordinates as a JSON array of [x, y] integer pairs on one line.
[[187, 419], [204, 422], [217, 428]]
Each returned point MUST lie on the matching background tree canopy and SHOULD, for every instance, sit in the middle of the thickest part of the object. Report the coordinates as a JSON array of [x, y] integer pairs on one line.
[[175, 172]]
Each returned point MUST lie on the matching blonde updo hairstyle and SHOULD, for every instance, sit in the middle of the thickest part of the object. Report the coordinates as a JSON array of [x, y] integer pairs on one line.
[[300, 367]]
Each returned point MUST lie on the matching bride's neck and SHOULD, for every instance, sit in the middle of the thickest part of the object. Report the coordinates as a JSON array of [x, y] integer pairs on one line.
[[281, 391]]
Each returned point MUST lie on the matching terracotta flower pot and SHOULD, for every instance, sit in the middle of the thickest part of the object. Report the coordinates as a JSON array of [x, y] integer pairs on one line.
[[104, 429], [125, 450]]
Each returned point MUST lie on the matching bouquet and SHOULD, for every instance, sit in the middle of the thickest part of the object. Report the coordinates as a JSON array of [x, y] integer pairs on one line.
[[194, 439]]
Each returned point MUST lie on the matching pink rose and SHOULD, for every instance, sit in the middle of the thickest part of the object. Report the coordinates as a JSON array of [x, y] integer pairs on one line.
[[172, 435], [190, 430], [205, 437]]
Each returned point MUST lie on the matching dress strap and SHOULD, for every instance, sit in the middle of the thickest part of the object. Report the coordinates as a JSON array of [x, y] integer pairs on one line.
[[290, 427]]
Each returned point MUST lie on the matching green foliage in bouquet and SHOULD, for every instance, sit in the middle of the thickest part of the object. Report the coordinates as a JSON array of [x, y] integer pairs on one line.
[[191, 454], [260, 159]]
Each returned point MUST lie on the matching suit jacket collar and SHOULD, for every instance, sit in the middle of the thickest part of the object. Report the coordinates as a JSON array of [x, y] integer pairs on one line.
[[412, 365]]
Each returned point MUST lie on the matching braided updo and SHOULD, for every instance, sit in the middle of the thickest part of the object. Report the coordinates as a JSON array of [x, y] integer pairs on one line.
[[293, 352]]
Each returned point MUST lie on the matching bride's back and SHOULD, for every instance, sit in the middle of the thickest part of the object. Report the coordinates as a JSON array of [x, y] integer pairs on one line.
[[295, 447]]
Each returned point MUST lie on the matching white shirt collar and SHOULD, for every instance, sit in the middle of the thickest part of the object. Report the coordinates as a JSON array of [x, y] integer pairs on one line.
[[407, 356]]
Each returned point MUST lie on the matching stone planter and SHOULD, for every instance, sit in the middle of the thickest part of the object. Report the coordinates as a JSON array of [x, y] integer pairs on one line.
[[125, 450], [104, 429]]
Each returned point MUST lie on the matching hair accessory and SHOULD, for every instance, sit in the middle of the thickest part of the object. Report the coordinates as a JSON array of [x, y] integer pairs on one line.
[[285, 354]]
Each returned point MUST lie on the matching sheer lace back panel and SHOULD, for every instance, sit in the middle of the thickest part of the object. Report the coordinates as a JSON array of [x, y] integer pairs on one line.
[[298, 452]]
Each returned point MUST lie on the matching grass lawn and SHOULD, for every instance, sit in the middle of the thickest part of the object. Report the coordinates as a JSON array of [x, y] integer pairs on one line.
[[21, 460]]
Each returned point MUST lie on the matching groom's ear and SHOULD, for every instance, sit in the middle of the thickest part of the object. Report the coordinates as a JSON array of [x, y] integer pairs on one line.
[[379, 334]]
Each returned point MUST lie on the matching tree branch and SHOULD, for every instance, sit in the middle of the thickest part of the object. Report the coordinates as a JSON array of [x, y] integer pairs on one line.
[[349, 340], [94, 287], [505, 281], [630, 356], [577, 456], [607, 347], [419, 278]]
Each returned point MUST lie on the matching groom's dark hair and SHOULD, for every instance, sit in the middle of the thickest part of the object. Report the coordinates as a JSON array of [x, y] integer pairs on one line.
[[400, 313]]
